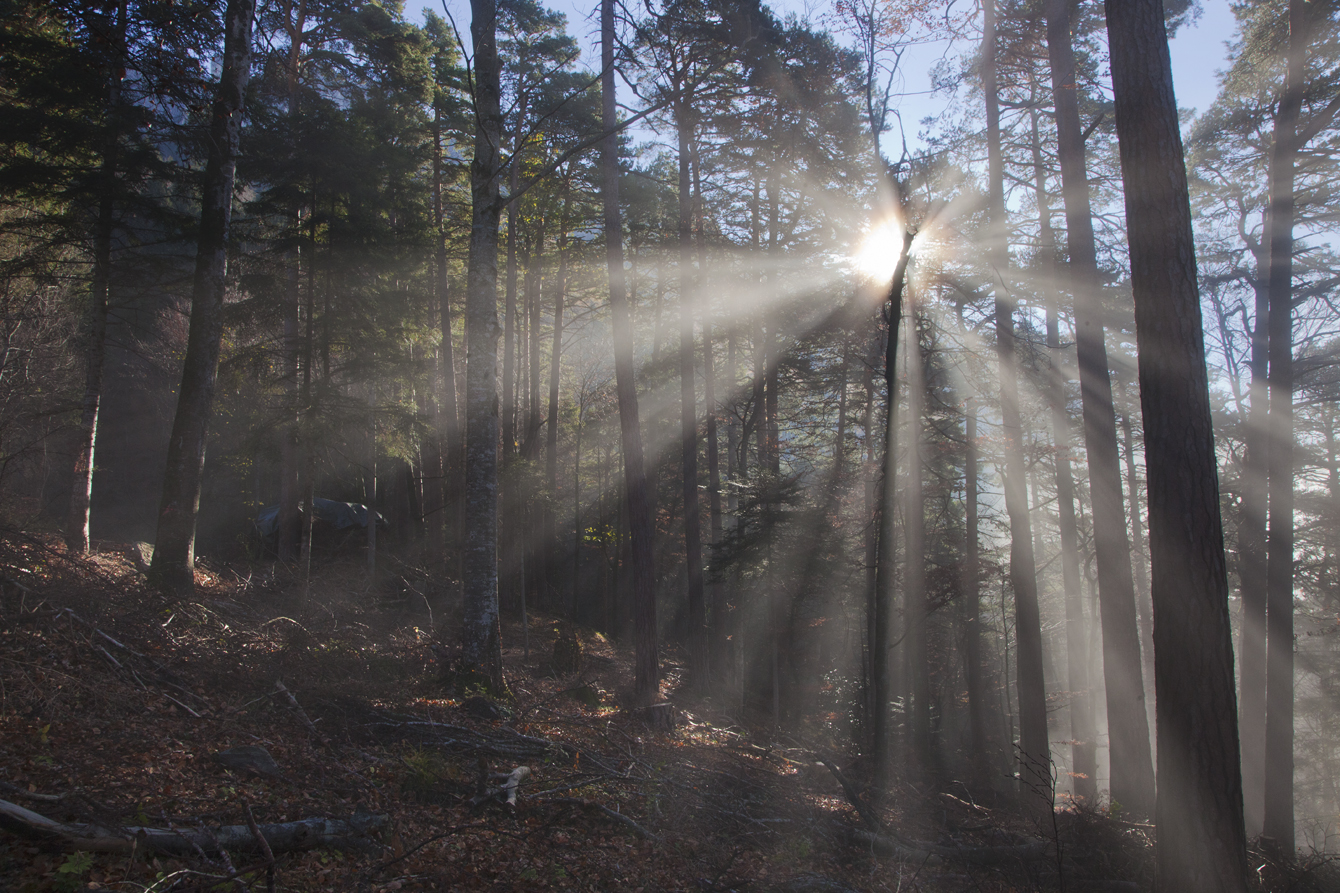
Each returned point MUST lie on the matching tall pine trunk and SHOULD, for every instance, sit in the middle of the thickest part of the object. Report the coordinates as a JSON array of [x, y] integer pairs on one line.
[[1142, 607], [972, 604], [173, 566], [509, 400], [1034, 751], [1200, 842], [1252, 564], [637, 500], [688, 406], [432, 490], [880, 619], [716, 593], [95, 335], [1132, 769], [549, 541], [291, 440], [533, 287], [481, 646], [1083, 734], [449, 416], [1278, 821], [914, 592]]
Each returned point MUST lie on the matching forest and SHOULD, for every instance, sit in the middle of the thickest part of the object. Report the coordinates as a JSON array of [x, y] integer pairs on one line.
[[639, 452]]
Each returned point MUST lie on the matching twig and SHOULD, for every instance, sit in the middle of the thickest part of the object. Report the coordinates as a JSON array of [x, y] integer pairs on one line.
[[265, 848], [224, 858], [15, 791], [411, 851], [617, 816], [868, 815], [181, 705], [6, 578], [301, 714], [594, 779]]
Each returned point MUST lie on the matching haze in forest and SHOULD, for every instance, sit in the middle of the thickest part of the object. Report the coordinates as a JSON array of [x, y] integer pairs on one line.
[[995, 454]]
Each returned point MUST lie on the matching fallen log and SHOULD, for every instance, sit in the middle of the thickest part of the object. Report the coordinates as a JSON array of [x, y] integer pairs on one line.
[[278, 837]]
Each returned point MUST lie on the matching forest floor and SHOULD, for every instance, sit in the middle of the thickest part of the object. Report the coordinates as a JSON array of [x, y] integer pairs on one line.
[[120, 708]]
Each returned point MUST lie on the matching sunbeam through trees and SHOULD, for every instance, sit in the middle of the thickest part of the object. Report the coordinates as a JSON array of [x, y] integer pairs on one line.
[[818, 492]]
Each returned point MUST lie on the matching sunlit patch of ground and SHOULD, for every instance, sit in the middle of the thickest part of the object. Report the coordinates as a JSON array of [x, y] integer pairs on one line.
[[115, 699]]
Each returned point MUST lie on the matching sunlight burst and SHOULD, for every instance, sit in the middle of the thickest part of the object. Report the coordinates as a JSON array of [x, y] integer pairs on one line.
[[877, 257]]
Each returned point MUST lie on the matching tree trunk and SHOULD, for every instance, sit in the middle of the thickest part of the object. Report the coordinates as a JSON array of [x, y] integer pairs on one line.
[[436, 445], [291, 440], [871, 474], [1200, 845], [1034, 752], [307, 473], [638, 503], [1132, 773], [577, 611], [370, 486], [972, 606], [716, 592], [1278, 821], [509, 318], [771, 345], [549, 542], [688, 407], [95, 337], [174, 546], [1138, 546], [1252, 568], [533, 286], [914, 591], [449, 416], [481, 646], [881, 619], [1083, 735]]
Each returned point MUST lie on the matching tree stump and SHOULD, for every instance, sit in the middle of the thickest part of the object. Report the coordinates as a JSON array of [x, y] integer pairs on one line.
[[567, 660], [658, 717]]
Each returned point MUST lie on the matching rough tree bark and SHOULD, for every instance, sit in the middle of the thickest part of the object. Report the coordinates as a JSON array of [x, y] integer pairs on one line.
[[95, 336], [1083, 734], [1252, 570], [688, 405], [1200, 844], [549, 541], [173, 568], [1138, 545], [509, 311], [716, 600], [638, 504], [481, 646], [972, 607], [1278, 821], [914, 590], [295, 17], [1132, 769], [1034, 752], [882, 599]]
